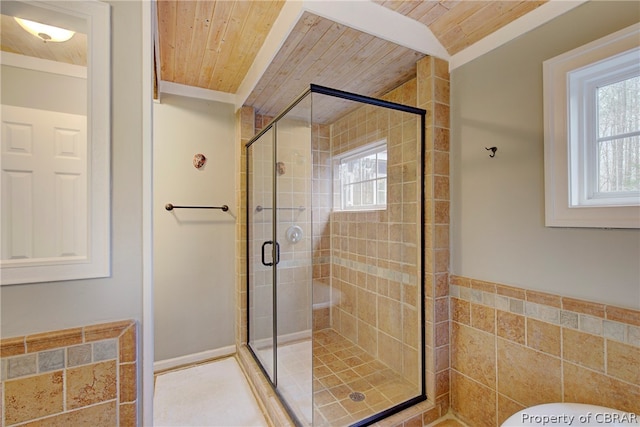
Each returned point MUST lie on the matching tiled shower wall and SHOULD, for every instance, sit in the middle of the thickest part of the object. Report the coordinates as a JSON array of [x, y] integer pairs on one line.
[[432, 88], [322, 203], [375, 254], [245, 130], [293, 176], [433, 96], [80, 376], [513, 348]]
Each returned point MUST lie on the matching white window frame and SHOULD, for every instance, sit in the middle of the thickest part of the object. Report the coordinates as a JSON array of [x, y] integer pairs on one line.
[[360, 152], [569, 201], [583, 136]]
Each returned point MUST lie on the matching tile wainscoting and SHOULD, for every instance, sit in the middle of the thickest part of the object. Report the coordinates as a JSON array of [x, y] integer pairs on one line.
[[78, 376], [512, 348]]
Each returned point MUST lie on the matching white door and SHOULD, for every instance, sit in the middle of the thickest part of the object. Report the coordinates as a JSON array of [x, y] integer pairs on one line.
[[44, 184]]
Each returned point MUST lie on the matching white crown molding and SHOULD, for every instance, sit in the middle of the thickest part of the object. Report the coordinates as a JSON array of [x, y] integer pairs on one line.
[[282, 27], [382, 22], [540, 16], [195, 92], [43, 65]]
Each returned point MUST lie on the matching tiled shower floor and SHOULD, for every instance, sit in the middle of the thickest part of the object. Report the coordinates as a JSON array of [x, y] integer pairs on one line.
[[340, 368]]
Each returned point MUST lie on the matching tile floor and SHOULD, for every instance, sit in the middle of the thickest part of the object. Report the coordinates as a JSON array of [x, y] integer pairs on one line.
[[340, 368]]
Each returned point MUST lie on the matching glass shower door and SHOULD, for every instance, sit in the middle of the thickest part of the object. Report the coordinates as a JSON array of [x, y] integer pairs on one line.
[[262, 251], [279, 171], [293, 173]]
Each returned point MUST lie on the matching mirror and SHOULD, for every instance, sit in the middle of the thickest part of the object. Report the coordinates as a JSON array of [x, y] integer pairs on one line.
[[55, 100]]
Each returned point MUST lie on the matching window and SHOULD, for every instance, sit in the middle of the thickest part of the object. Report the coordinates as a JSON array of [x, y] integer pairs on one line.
[[362, 178], [592, 134], [604, 132]]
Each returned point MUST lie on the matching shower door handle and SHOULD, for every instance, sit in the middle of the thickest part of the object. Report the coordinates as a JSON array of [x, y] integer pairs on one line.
[[268, 242], [264, 262]]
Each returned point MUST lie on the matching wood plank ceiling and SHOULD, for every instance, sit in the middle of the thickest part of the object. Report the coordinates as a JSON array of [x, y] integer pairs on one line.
[[323, 52], [458, 24], [212, 45]]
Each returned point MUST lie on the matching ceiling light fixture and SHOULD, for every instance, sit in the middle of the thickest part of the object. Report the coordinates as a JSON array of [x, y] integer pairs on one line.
[[45, 32]]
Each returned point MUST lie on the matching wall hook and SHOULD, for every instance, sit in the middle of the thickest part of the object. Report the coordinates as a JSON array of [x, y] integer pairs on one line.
[[493, 151]]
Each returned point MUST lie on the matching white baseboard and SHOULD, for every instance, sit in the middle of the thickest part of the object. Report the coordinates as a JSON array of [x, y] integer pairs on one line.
[[190, 359], [283, 339], [295, 336]]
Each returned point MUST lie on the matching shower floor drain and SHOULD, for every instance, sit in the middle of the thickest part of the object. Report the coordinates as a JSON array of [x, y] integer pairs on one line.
[[356, 396]]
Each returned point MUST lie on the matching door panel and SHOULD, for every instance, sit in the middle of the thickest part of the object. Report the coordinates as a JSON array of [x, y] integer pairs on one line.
[[261, 251], [293, 234], [44, 179]]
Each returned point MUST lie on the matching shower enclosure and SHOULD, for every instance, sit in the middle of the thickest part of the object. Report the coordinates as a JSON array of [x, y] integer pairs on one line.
[[335, 246]]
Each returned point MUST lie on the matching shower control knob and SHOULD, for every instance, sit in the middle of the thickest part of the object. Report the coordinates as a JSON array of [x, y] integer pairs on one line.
[[294, 234]]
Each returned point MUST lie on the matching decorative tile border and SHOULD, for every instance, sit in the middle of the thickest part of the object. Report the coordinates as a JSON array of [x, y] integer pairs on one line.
[[384, 273], [15, 367], [610, 322]]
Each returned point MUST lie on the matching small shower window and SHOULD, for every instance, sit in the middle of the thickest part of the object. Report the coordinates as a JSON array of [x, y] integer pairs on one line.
[[362, 177]]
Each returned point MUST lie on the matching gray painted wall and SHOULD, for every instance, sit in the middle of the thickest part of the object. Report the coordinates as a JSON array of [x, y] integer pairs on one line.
[[497, 206], [41, 307], [193, 250]]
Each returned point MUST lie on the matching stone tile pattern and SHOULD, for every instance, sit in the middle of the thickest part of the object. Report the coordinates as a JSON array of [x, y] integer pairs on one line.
[[340, 368], [432, 88], [322, 206], [375, 254], [512, 348], [433, 96], [79, 376], [245, 130]]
